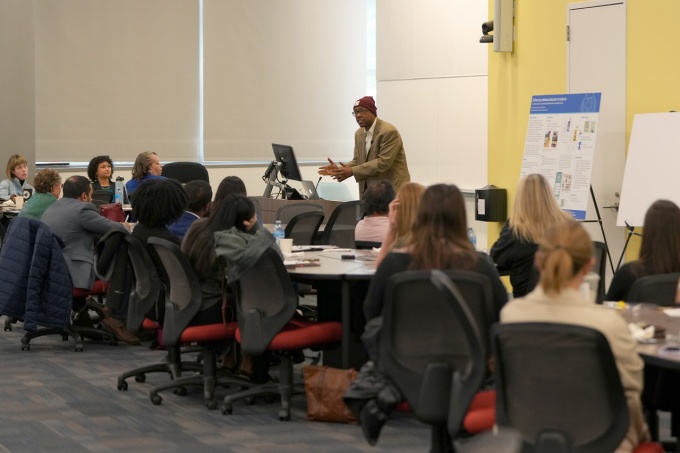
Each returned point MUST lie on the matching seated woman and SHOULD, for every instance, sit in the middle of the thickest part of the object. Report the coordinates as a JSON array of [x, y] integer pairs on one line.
[[47, 190], [402, 215], [229, 185], [659, 251], [534, 211], [565, 256], [375, 225], [100, 170], [438, 241], [17, 175], [147, 166], [229, 231]]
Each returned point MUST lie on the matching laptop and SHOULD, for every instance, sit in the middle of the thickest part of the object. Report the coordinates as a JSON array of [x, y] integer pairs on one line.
[[309, 190]]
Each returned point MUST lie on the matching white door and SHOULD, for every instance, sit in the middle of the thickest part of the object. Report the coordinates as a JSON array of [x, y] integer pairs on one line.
[[596, 62]]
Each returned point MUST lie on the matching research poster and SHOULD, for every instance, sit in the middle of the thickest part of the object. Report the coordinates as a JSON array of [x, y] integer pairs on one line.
[[560, 145]]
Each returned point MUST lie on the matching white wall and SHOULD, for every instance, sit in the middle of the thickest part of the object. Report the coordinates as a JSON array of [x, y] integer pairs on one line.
[[432, 85]]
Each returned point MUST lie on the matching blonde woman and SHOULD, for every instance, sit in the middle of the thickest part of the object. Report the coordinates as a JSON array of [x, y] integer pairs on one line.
[[402, 215], [563, 259], [17, 175], [534, 212], [147, 166]]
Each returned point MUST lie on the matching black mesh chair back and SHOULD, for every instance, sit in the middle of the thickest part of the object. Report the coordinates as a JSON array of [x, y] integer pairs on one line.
[[265, 302], [182, 290], [185, 171], [145, 284], [100, 197], [340, 226], [600, 268], [477, 295], [437, 372], [367, 245], [558, 385], [657, 289], [286, 212], [256, 203], [303, 228]]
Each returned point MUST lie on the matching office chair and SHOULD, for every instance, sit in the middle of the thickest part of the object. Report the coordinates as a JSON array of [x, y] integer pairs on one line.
[[432, 351], [367, 245], [144, 292], [600, 268], [182, 304], [504, 441], [304, 227], [339, 229], [658, 289], [38, 291], [185, 171], [264, 313], [100, 197], [286, 212], [558, 385]]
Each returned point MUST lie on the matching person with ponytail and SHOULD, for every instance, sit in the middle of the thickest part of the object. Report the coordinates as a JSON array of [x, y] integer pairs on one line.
[[563, 259]]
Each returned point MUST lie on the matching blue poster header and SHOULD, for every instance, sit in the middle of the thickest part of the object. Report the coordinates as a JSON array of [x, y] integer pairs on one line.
[[566, 103]]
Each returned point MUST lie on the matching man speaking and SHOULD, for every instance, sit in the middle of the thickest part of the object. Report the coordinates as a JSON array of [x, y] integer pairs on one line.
[[378, 151]]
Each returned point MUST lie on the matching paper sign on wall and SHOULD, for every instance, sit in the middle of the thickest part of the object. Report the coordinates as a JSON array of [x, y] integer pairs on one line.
[[560, 145]]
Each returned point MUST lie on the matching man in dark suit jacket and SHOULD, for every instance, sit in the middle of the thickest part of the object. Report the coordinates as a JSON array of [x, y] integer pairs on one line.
[[378, 151], [78, 224], [200, 195]]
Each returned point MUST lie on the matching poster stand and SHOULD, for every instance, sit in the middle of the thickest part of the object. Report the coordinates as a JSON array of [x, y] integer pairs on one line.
[[604, 236]]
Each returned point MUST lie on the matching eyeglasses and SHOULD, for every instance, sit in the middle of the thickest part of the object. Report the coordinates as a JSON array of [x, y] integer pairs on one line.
[[359, 112]]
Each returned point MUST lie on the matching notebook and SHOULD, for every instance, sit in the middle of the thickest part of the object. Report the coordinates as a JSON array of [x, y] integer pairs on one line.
[[309, 190]]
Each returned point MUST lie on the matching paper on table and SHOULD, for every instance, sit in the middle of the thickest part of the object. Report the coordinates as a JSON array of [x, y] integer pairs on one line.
[[675, 312]]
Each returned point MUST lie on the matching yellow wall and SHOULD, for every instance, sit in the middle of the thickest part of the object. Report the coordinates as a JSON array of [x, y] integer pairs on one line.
[[538, 66]]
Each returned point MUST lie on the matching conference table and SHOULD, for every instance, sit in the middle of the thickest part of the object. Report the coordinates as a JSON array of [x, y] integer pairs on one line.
[[334, 266]]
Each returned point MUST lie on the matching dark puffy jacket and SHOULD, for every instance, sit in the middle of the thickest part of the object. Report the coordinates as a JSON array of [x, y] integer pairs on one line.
[[35, 285]]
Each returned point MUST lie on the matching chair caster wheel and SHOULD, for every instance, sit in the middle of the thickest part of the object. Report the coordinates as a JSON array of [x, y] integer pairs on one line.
[[269, 399], [79, 348], [212, 405], [180, 391], [140, 377], [25, 347], [122, 385], [249, 400], [113, 341], [156, 400], [284, 415], [227, 409]]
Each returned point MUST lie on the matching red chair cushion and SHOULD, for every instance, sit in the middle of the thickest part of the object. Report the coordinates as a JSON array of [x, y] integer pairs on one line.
[[99, 289], [150, 324], [648, 447], [481, 414], [303, 334], [208, 332]]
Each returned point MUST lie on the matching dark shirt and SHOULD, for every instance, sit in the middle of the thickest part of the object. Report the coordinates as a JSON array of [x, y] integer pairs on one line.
[[396, 262], [516, 256], [180, 227], [621, 283], [111, 188]]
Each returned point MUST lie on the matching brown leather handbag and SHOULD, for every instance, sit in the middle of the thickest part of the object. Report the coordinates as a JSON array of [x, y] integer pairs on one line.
[[324, 388]]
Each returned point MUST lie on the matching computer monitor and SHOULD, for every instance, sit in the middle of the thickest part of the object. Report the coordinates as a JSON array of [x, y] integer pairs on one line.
[[289, 168]]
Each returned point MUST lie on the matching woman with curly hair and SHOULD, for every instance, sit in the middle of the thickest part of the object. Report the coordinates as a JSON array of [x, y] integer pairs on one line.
[[158, 203], [100, 171], [47, 184]]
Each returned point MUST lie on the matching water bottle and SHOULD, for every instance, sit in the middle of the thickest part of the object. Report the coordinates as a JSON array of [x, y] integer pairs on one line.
[[278, 232], [118, 194], [473, 237]]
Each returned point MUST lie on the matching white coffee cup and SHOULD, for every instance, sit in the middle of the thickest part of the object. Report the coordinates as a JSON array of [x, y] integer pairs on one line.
[[19, 202], [286, 246]]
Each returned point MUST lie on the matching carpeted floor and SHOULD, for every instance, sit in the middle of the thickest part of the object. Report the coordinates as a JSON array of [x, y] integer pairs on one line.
[[53, 399]]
